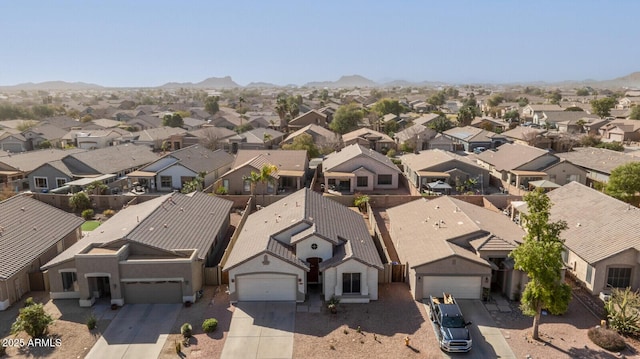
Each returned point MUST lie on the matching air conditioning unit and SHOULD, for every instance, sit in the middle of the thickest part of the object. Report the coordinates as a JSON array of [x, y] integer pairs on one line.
[[573, 266], [605, 297]]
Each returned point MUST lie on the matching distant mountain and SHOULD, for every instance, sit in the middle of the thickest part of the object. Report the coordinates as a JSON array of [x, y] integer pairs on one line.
[[262, 85], [210, 83], [52, 85], [631, 80], [344, 82]]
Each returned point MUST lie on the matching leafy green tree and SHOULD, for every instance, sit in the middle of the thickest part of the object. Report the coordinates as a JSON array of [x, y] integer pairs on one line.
[[193, 185], [304, 142], [33, 320], [554, 97], [174, 120], [574, 109], [523, 101], [79, 202], [602, 107], [542, 245], [26, 125], [613, 146], [266, 177], [41, 111], [582, 92], [211, 105], [386, 106], [624, 181], [495, 100], [347, 118], [437, 99], [391, 127], [440, 124], [511, 116], [451, 92], [97, 187], [465, 116], [243, 128], [635, 113]]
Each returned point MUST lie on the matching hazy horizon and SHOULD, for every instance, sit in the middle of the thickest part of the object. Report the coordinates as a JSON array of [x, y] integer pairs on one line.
[[150, 43]]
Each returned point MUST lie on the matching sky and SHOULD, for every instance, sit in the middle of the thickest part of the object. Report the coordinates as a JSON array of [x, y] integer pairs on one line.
[[140, 43]]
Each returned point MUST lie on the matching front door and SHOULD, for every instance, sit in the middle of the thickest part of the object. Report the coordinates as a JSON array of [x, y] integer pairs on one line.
[[312, 276]]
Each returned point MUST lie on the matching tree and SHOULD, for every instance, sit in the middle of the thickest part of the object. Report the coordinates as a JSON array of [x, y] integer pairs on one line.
[[440, 124], [523, 101], [437, 99], [391, 127], [554, 97], [582, 92], [97, 187], [635, 113], [174, 120], [33, 320], [386, 106], [211, 105], [79, 202], [542, 245], [495, 100], [602, 107], [465, 116], [266, 176], [624, 181], [347, 118], [511, 116], [613, 146], [304, 142], [574, 109], [194, 185]]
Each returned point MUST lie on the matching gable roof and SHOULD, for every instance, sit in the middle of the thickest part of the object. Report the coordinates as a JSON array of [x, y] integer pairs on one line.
[[350, 152], [306, 114], [597, 159], [511, 156], [430, 158], [422, 230], [366, 133], [154, 134], [113, 159], [30, 160], [523, 133], [316, 214], [471, 134], [412, 131], [200, 159], [312, 129], [257, 135], [287, 160], [47, 131], [28, 228]]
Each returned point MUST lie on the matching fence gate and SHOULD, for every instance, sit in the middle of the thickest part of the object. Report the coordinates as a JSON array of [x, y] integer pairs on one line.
[[397, 272], [36, 281]]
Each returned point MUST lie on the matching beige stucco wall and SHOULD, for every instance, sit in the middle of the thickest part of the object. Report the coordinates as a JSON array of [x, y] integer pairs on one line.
[[625, 259], [98, 264], [55, 281], [372, 166], [562, 170], [333, 280], [324, 250]]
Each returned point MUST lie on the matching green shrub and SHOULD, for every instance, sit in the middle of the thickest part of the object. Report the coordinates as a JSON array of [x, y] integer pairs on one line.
[[221, 191], [29, 302], [186, 330], [91, 322], [108, 212], [209, 325], [80, 201], [33, 320], [607, 339], [391, 153], [88, 214]]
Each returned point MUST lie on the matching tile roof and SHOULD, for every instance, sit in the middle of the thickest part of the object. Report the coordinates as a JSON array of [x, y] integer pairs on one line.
[[366, 133], [213, 132], [113, 159], [308, 209], [285, 160], [350, 152], [154, 134], [312, 129], [511, 156], [597, 159], [523, 133], [599, 226], [28, 228], [257, 135], [48, 131], [422, 231], [28, 161], [200, 159], [471, 134], [430, 158], [412, 131]]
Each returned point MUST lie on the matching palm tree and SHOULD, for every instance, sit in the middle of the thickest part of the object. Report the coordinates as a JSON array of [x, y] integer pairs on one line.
[[266, 177]]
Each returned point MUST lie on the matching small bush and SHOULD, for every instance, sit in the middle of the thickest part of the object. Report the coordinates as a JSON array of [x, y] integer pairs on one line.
[[108, 213], [186, 330], [391, 153], [29, 302], [209, 325], [88, 214], [33, 320], [221, 191], [607, 339], [91, 322]]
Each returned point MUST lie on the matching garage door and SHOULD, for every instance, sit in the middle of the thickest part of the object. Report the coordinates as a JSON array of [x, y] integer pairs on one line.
[[459, 287], [152, 292], [266, 287]]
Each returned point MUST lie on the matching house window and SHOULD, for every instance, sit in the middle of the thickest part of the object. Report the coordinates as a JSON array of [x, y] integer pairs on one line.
[[565, 256], [589, 274], [69, 282], [619, 277], [363, 181], [385, 179], [351, 283], [270, 187], [247, 186], [60, 246], [165, 181], [225, 184], [60, 181], [41, 182]]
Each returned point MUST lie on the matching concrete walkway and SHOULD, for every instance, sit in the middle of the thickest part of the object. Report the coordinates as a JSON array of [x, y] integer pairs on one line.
[[137, 331], [261, 330], [488, 341]]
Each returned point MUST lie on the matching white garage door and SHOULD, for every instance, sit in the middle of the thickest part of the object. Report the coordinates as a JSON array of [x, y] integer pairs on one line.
[[152, 292], [459, 287], [266, 287]]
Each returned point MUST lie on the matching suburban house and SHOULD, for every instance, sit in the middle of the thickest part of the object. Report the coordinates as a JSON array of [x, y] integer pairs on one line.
[[598, 162], [490, 124], [601, 239], [425, 119], [155, 138], [302, 240], [311, 117], [173, 170], [144, 122], [469, 138], [437, 165], [44, 135], [368, 138], [13, 141], [621, 131], [92, 139], [452, 246], [513, 166], [528, 136], [14, 168], [356, 168], [152, 252], [441, 142], [108, 164], [292, 167], [210, 137], [416, 137], [31, 233], [531, 110], [321, 136], [554, 118], [260, 138]]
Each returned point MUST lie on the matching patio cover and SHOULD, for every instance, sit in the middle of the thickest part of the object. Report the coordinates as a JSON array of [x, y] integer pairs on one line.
[[544, 184], [141, 174], [439, 185], [88, 180], [340, 174], [433, 174]]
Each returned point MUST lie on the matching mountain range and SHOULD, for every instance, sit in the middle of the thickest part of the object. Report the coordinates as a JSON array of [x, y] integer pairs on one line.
[[630, 81]]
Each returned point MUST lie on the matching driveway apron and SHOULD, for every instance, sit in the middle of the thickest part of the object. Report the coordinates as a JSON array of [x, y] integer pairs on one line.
[[137, 331], [261, 330]]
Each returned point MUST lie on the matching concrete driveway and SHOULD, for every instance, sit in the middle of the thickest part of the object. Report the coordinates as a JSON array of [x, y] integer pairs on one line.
[[137, 331], [261, 330], [488, 341]]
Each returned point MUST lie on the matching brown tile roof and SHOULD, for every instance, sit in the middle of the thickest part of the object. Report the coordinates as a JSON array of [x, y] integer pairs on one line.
[[350, 152], [112, 159], [28, 161], [597, 159], [422, 231], [511, 156], [329, 219], [427, 159], [28, 228], [287, 160], [366, 133]]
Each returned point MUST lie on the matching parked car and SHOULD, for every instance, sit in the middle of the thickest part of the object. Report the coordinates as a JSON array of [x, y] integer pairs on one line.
[[449, 324]]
